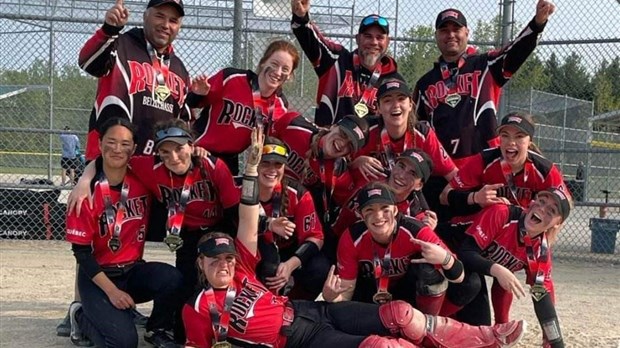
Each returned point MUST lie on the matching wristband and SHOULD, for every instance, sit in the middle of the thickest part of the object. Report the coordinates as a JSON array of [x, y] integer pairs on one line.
[[446, 260], [249, 190], [306, 251], [473, 197], [458, 198], [454, 272]]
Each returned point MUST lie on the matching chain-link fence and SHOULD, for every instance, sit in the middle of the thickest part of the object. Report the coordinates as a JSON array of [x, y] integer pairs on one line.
[[568, 83]]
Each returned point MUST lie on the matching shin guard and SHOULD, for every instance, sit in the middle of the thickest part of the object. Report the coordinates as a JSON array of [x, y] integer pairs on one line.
[[403, 320], [375, 341]]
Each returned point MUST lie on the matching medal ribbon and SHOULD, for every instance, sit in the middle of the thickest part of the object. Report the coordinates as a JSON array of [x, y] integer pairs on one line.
[[176, 211], [509, 177], [220, 321], [160, 71], [113, 220], [537, 264], [450, 76], [261, 104], [332, 183], [369, 88], [387, 145], [382, 267]]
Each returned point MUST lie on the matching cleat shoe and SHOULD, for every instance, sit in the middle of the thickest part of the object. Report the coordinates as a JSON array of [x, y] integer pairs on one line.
[[160, 339], [510, 333], [138, 318], [64, 327], [76, 335]]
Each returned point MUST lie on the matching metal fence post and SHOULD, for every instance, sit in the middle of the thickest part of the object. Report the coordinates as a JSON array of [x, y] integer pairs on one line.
[[237, 33]]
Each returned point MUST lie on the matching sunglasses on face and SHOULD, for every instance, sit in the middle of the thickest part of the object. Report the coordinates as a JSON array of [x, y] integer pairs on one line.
[[171, 132], [375, 20]]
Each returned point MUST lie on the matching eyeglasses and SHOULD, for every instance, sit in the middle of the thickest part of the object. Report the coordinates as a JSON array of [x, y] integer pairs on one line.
[[275, 149], [171, 132], [375, 20]]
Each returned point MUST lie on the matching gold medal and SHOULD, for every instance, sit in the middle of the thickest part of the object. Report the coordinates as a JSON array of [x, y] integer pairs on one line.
[[538, 291], [453, 99], [162, 92], [361, 109], [382, 297], [174, 242], [114, 244], [222, 345]]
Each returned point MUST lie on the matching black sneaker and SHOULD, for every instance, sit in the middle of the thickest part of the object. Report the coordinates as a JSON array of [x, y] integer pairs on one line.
[[160, 339], [138, 318], [64, 327], [77, 337]]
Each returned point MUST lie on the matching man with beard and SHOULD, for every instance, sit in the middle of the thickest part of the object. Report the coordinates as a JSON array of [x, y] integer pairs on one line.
[[348, 81]]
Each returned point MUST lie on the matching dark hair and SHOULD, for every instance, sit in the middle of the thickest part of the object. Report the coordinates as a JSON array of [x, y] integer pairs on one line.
[[202, 280], [117, 121], [530, 119], [280, 45]]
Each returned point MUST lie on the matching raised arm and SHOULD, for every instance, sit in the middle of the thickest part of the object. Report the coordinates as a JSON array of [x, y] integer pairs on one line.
[[247, 232]]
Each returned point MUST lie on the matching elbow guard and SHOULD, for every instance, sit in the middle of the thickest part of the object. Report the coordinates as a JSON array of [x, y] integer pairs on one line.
[[306, 251], [454, 272], [458, 198]]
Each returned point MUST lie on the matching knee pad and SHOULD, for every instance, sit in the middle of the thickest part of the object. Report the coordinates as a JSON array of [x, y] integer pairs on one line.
[[429, 281], [398, 318], [375, 341], [463, 293]]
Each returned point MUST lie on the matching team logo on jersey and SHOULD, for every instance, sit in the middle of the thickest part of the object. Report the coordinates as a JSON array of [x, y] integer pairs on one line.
[[349, 86], [142, 79], [398, 266], [237, 114], [162, 92], [198, 192], [453, 99], [466, 84], [134, 209], [242, 308], [499, 254]]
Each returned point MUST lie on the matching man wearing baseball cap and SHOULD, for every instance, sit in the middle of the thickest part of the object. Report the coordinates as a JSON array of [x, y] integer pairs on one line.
[[358, 73], [460, 94], [119, 61]]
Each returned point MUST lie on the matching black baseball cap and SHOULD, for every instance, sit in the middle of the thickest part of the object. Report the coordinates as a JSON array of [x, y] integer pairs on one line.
[[393, 85], [216, 246], [519, 121], [561, 197], [356, 129], [178, 4], [374, 19], [375, 193], [174, 134], [421, 162], [450, 15], [274, 150]]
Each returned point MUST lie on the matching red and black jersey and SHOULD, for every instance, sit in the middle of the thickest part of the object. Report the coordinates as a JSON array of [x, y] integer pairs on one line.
[[424, 138], [255, 316], [461, 105], [357, 249], [125, 88], [208, 195], [91, 227], [496, 231], [301, 211], [485, 168], [227, 118], [341, 80], [414, 205]]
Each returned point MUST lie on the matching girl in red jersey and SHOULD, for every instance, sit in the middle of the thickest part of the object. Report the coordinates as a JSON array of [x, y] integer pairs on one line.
[[230, 97], [199, 192], [108, 244], [374, 256], [397, 131], [235, 308], [507, 238], [290, 233], [411, 170], [511, 173]]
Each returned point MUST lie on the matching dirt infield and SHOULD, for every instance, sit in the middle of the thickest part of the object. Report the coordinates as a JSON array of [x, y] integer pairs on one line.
[[36, 282]]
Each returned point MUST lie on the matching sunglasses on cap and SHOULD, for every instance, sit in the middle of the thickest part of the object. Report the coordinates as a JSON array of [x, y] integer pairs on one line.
[[375, 20], [275, 149], [171, 132]]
